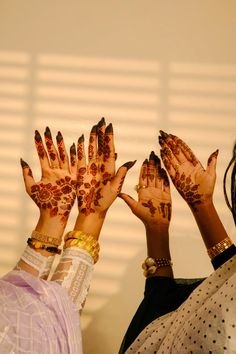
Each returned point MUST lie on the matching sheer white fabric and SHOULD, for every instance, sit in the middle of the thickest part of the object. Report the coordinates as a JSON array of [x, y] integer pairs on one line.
[[74, 273], [40, 263], [204, 323]]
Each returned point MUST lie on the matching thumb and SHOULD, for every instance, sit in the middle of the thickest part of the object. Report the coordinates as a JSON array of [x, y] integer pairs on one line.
[[118, 180], [131, 202], [27, 175], [211, 163]]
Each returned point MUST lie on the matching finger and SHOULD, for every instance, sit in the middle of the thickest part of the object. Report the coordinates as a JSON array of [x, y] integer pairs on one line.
[[101, 126], [27, 175], [211, 163], [151, 170], [118, 179], [92, 147], [64, 159], [108, 165], [158, 182], [143, 174], [132, 203], [42, 154], [80, 152], [170, 169], [169, 154], [73, 160], [52, 152], [165, 180]]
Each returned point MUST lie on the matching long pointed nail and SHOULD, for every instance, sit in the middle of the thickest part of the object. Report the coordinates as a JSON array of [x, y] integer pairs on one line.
[[23, 163], [59, 137], [47, 132], [81, 139], [129, 164], [37, 136], [94, 129], [152, 156], [163, 134], [145, 162], [101, 122], [109, 129], [73, 149]]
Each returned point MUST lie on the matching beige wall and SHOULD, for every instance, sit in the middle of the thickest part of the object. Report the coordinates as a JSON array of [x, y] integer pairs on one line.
[[145, 66]]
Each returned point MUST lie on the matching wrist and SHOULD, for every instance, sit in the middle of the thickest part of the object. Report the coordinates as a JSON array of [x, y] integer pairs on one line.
[[90, 224], [50, 226]]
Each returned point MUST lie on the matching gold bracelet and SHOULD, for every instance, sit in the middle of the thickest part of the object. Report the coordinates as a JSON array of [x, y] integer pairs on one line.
[[45, 238], [219, 247], [150, 265], [84, 241]]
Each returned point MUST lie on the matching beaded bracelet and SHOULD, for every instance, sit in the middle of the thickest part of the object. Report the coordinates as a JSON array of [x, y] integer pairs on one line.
[[45, 238], [37, 245], [219, 247], [84, 241], [150, 265]]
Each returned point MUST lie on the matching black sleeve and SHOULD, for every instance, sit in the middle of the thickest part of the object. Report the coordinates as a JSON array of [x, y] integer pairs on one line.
[[223, 257]]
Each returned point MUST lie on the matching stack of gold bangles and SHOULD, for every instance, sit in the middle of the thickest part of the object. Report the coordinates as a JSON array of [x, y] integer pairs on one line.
[[219, 247], [83, 241], [150, 265]]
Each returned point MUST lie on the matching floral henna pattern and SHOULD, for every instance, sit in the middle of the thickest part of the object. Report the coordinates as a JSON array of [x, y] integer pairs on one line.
[[187, 190], [58, 199], [106, 176], [100, 136], [165, 210], [151, 207], [39, 145]]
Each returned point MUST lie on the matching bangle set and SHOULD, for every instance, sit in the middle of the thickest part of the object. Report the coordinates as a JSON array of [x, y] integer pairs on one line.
[[45, 238], [84, 241], [37, 245], [219, 247], [150, 265]]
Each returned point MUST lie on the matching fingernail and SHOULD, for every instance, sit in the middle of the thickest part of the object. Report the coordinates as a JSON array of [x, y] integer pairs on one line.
[[172, 136], [101, 122], [23, 163], [116, 155], [47, 132], [145, 162], [109, 129], [72, 149], [81, 139], [163, 134], [216, 152], [152, 156], [94, 129], [129, 164], [37, 136], [59, 137]]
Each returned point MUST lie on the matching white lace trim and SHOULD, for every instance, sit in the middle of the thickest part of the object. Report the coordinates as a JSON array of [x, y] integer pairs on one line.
[[40, 263], [74, 272]]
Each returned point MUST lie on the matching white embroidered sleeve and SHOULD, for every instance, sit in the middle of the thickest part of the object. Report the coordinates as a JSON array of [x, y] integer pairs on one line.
[[74, 272], [34, 259]]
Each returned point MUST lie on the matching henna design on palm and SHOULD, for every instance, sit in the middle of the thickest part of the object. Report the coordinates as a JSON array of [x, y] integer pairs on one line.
[[151, 207], [165, 210], [56, 198]]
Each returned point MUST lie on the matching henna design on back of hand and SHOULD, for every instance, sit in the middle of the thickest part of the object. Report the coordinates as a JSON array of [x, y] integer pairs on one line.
[[188, 190]]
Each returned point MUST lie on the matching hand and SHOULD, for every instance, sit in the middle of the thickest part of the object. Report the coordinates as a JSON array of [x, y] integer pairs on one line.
[[55, 193], [193, 182], [153, 207], [97, 183]]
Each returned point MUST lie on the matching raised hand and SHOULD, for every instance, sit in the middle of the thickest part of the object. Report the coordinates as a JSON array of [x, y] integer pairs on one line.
[[98, 183], [193, 182], [55, 193], [153, 207]]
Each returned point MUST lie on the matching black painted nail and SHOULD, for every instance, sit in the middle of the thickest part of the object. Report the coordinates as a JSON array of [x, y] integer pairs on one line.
[[152, 156], [73, 149], [164, 135], [37, 136], [145, 162], [101, 122], [47, 132], [109, 129], [81, 139], [129, 164], [23, 163], [94, 129], [59, 137]]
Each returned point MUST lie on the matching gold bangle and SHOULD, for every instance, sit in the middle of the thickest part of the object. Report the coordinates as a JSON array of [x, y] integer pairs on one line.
[[45, 238], [150, 265], [84, 241], [219, 247]]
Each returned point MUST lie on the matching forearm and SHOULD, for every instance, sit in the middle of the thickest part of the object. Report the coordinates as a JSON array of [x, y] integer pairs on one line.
[[209, 224]]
